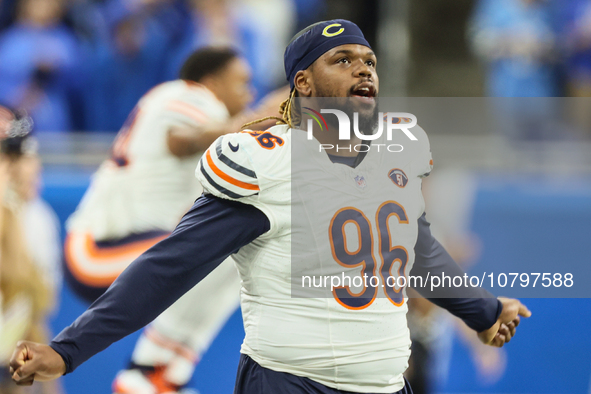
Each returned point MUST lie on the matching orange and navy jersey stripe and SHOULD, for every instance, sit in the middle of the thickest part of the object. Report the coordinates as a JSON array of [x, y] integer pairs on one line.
[[98, 264], [226, 170], [193, 104], [190, 111]]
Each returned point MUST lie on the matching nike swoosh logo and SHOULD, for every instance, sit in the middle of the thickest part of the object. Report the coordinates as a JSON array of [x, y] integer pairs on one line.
[[233, 148]]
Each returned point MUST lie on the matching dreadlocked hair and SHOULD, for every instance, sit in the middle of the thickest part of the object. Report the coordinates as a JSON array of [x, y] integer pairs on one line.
[[286, 110]]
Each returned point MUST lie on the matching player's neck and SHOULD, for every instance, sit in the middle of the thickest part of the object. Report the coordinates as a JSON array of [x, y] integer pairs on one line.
[[210, 85]]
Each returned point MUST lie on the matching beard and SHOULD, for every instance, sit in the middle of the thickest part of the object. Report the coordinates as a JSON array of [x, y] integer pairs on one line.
[[367, 111], [368, 120]]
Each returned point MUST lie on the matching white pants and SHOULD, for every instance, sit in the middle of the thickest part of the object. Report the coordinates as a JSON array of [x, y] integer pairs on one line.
[[177, 338]]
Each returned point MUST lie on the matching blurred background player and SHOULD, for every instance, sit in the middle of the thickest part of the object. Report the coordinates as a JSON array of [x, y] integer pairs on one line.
[[29, 244], [139, 195]]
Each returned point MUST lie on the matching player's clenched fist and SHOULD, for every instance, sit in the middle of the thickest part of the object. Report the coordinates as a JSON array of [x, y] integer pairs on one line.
[[504, 328], [33, 361]]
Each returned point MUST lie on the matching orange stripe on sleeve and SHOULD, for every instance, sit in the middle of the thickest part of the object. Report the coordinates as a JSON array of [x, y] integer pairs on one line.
[[188, 110], [228, 178]]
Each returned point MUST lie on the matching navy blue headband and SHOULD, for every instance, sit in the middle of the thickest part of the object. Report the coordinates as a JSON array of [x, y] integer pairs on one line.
[[317, 39]]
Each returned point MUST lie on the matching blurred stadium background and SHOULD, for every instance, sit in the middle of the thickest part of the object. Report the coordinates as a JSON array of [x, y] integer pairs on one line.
[[79, 66]]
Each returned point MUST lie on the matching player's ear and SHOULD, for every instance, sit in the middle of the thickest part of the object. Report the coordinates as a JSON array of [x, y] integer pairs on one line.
[[302, 82]]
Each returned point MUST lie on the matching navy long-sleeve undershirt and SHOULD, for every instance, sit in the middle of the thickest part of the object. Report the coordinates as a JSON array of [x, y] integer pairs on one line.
[[212, 230], [475, 306]]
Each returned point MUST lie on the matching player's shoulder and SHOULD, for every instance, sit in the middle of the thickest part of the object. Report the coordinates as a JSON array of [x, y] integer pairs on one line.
[[419, 133], [185, 101], [163, 89], [407, 149], [422, 144], [156, 97], [403, 128], [264, 143], [423, 159], [180, 90], [242, 164], [407, 133]]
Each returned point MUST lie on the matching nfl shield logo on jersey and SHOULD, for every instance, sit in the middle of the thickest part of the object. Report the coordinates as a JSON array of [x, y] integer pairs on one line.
[[398, 177], [360, 180]]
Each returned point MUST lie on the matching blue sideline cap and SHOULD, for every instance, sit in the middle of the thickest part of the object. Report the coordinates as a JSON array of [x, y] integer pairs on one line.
[[317, 39]]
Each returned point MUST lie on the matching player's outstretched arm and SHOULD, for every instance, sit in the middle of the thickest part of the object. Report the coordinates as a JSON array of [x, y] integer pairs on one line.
[[494, 319], [211, 231], [505, 327], [34, 361]]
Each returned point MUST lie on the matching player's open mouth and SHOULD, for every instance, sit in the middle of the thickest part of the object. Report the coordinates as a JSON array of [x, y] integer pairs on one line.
[[365, 91]]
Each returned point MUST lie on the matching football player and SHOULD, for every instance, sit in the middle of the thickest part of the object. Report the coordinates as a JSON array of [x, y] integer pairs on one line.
[[140, 193], [351, 341]]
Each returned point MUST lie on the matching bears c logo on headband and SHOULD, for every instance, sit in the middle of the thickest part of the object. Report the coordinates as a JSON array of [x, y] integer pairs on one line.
[[326, 33], [315, 40]]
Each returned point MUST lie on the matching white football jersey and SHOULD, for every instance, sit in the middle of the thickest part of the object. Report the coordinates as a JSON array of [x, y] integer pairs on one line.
[[143, 186], [358, 221]]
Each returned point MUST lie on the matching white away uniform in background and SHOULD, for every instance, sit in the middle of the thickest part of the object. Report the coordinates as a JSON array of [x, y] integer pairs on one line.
[[144, 187], [359, 220], [135, 199]]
